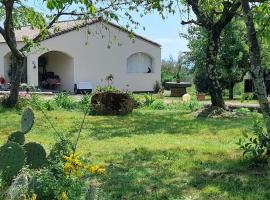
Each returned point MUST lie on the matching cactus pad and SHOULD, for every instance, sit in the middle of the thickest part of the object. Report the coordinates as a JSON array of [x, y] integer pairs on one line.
[[17, 137], [12, 160], [27, 120], [35, 155]]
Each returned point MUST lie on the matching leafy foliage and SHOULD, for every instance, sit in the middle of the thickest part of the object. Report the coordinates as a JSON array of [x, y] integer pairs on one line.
[[12, 160], [17, 137], [64, 100], [257, 145], [12, 152], [35, 155], [176, 69], [148, 99], [158, 105], [27, 120], [232, 56]]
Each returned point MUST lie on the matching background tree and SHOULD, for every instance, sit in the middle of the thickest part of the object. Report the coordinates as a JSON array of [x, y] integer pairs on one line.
[[260, 10], [170, 67], [168, 70], [232, 56], [213, 16]]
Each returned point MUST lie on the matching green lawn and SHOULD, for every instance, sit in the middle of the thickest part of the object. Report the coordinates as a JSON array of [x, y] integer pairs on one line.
[[158, 154]]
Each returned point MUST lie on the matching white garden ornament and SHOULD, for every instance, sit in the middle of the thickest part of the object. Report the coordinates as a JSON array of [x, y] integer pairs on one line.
[[186, 98]]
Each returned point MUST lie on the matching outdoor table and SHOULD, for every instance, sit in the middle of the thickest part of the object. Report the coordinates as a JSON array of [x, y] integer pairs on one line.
[[178, 89]]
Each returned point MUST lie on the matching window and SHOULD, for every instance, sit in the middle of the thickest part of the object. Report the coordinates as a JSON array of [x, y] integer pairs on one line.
[[139, 63]]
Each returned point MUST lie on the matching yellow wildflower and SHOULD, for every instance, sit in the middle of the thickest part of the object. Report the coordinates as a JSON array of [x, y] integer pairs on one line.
[[97, 169], [34, 197], [72, 164], [64, 196]]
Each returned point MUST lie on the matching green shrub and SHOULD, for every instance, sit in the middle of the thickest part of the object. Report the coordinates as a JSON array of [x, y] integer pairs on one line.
[[36, 102], [108, 88], [49, 105], [85, 102], [158, 105], [192, 105], [64, 100], [51, 182], [148, 99], [4, 101], [242, 111], [62, 147], [258, 145], [137, 100], [247, 97]]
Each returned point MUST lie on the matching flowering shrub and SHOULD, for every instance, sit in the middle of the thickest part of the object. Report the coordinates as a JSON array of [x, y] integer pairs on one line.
[[97, 169], [2, 80], [73, 164]]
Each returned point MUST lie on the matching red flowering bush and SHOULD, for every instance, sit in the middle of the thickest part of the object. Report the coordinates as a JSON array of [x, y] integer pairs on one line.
[[2, 80]]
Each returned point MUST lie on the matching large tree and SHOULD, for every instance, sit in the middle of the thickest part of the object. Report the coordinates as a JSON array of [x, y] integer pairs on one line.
[[17, 13], [213, 16], [256, 67], [232, 57]]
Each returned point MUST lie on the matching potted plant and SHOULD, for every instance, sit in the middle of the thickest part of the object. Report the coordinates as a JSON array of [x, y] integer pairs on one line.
[[178, 77], [200, 96]]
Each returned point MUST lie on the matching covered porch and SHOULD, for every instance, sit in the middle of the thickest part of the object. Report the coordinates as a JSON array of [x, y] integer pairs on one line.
[[51, 71]]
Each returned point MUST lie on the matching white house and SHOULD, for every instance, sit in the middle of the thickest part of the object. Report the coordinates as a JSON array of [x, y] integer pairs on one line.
[[80, 51]]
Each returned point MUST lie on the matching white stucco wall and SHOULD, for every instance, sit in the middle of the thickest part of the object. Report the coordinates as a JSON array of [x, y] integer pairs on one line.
[[93, 60], [4, 60]]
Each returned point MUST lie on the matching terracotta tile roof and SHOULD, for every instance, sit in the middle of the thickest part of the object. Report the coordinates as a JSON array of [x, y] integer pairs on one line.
[[63, 27]]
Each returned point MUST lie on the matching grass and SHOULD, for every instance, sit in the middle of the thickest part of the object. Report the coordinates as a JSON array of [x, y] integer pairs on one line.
[[165, 154]]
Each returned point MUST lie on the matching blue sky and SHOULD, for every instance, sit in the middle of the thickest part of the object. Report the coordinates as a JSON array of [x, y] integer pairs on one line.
[[165, 32]]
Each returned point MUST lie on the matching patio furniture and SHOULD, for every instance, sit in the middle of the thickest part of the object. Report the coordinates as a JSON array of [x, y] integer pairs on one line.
[[178, 89], [83, 87]]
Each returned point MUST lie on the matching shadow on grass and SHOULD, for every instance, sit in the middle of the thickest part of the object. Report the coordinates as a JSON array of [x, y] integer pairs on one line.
[[174, 174], [230, 179], [142, 123], [143, 174]]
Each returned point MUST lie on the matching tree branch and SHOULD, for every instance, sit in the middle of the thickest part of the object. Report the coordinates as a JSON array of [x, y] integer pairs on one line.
[[201, 18], [191, 22], [9, 35], [39, 36], [227, 15]]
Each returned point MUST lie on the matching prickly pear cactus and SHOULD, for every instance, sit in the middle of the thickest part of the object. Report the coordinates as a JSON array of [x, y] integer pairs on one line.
[[12, 159], [27, 120], [35, 155], [17, 137]]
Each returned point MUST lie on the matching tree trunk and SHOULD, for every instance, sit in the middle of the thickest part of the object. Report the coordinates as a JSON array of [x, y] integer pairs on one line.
[[15, 83], [231, 86], [256, 69], [212, 72]]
